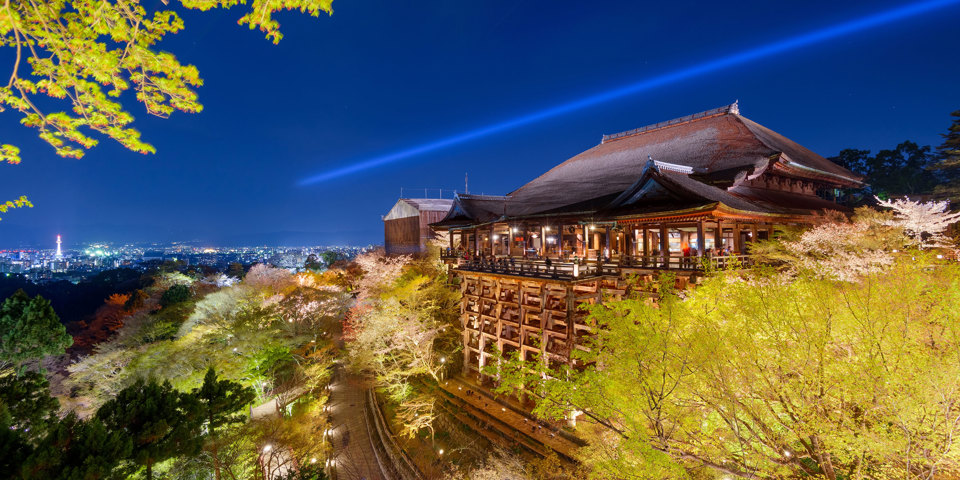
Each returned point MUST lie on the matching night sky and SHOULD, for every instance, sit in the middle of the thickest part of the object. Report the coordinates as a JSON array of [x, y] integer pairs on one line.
[[381, 76]]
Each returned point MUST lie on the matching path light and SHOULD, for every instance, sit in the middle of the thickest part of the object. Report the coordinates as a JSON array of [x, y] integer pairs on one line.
[[441, 451], [313, 460], [939, 256], [786, 453], [443, 359], [234, 349], [267, 448]]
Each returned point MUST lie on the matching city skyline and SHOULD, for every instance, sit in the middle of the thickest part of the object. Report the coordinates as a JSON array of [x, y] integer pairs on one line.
[[229, 176]]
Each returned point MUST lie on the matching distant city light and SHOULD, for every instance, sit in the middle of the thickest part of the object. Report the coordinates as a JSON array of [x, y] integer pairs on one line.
[[805, 39]]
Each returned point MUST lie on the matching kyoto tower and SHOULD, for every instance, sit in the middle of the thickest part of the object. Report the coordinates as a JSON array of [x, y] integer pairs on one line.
[[59, 252]]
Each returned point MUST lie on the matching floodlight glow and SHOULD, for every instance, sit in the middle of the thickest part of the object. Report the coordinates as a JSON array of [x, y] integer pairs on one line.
[[802, 40]]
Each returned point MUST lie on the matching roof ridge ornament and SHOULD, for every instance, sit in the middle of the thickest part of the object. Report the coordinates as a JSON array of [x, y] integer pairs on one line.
[[671, 167], [734, 107]]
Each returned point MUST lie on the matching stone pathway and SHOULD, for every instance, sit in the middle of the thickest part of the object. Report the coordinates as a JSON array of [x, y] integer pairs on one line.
[[354, 456]]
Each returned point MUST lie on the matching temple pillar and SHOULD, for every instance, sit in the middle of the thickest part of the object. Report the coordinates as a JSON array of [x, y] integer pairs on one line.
[[737, 242], [664, 243], [644, 240], [606, 243], [701, 239]]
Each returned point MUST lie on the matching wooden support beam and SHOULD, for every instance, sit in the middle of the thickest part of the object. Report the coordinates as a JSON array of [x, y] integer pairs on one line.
[[737, 242], [701, 239], [606, 243], [664, 241], [644, 240]]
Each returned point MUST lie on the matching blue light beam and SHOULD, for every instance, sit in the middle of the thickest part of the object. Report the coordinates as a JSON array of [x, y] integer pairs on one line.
[[834, 31]]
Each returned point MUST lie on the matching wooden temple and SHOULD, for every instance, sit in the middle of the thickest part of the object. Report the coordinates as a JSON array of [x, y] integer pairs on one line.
[[679, 195]]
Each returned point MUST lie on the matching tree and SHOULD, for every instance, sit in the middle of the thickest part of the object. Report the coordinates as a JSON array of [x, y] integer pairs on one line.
[[924, 223], [27, 404], [15, 203], [759, 375], [235, 270], [405, 332], [136, 301], [88, 54], [219, 401], [904, 170], [161, 422], [330, 257], [312, 263], [76, 449], [29, 330], [948, 167], [175, 294]]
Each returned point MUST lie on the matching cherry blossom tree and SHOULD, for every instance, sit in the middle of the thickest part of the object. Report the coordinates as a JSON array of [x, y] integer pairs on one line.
[[923, 222]]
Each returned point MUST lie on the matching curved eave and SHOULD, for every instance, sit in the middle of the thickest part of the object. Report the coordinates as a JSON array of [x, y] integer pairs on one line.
[[714, 210], [791, 168]]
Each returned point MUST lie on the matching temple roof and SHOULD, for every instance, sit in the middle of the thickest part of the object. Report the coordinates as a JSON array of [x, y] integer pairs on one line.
[[705, 157], [411, 207], [718, 141]]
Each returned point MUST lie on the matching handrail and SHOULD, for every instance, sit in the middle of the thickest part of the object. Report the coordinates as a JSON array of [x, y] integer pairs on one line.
[[566, 270], [402, 464]]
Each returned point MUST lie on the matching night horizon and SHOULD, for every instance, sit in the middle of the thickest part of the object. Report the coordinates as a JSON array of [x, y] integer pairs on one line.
[[208, 182]]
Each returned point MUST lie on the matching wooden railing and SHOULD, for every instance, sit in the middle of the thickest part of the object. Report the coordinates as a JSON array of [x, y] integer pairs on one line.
[[580, 269]]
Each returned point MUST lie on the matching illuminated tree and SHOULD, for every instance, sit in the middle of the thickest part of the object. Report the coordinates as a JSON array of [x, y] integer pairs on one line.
[[272, 280], [174, 295], [136, 301], [219, 402], [15, 203], [405, 332], [760, 375], [923, 222], [88, 54], [29, 330]]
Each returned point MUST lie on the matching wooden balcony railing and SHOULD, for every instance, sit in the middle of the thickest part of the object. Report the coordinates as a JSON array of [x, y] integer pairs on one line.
[[582, 269]]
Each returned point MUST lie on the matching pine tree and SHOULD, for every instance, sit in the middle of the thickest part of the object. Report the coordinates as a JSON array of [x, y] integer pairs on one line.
[[28, 405], [161, 422], [76, 449], [948, 168], [219, 401], [29, 330]]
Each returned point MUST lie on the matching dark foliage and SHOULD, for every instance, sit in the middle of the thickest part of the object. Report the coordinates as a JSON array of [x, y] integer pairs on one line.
[[174, 295]]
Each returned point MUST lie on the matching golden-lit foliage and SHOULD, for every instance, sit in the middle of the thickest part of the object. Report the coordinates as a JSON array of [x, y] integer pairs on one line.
[[87, 54], [404, 331], [760, 374]]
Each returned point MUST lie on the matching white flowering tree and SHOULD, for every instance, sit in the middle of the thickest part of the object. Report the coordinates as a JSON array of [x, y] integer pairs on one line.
[[922, 222]]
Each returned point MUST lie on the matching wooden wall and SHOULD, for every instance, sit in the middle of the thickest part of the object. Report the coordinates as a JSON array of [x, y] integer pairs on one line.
[[408, 235], [401, 235]]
